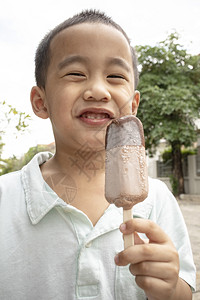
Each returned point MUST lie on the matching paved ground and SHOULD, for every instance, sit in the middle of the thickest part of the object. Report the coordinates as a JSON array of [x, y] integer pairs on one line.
[[191, 213]]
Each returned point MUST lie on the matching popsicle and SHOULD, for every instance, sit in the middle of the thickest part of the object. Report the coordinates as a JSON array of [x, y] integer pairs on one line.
[[126, 179]]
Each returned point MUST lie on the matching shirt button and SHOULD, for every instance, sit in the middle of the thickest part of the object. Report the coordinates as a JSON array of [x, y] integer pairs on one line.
[[88, 245]]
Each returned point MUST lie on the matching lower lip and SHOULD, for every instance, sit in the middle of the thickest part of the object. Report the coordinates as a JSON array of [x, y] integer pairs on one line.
[[94, 122]]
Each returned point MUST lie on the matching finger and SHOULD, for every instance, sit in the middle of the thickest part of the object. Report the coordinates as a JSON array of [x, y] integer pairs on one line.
[[147, 252], [151, 229], [137, 239], [155, 269], [154, 288]]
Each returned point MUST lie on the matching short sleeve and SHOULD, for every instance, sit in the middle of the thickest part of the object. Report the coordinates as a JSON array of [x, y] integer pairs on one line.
[[167, 214]]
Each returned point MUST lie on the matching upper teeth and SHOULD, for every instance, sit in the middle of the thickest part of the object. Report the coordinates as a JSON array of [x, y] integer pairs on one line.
[[95, 115]]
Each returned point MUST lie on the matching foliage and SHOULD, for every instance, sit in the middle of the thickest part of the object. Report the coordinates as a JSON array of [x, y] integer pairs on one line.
[[9, 165], [170, 96], [13, 163], [13, 120], [34, 150], [170, 92], [167, 153]]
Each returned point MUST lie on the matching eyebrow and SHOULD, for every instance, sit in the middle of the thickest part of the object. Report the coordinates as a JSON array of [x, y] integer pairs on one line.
[[119, 62], [82, 59], [72, 59]]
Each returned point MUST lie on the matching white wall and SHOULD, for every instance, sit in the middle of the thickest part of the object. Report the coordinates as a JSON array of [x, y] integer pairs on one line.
[[192, 182]]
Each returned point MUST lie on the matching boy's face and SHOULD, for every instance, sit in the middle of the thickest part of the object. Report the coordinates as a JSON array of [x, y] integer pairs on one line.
[[90, 81]]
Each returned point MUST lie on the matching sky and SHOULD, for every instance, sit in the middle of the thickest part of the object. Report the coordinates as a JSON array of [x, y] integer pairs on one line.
[[24, 23]]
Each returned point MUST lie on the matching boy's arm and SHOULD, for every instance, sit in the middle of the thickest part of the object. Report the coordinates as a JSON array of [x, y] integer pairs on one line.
[[155, 264]]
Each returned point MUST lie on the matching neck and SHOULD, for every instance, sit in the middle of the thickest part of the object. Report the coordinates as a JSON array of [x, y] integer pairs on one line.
[[79, 179], [86, 165], [86, 169]]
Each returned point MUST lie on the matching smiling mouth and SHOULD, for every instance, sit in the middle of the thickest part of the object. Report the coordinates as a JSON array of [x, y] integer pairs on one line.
[[95, 116]]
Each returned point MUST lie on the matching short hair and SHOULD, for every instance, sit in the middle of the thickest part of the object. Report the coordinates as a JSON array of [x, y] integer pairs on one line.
[[42, 56]]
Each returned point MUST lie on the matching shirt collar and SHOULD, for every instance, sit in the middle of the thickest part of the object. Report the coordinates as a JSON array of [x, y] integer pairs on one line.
[[40, 199]]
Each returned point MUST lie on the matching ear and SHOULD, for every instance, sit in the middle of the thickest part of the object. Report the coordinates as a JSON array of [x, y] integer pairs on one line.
[[135, 103], [37, 98]]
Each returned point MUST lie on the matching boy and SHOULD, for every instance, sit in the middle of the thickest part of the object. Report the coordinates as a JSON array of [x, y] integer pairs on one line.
[[59, 236]]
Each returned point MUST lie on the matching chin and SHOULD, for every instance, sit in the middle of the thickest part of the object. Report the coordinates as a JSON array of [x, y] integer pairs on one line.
[[93, 141]]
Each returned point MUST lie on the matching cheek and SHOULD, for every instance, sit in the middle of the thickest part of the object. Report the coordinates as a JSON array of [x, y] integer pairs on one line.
[[124, 101], [126, 109], [60, 101], [57, 111]]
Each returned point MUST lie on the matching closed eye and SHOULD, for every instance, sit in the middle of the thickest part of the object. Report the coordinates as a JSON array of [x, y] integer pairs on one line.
[[116, 76], [75, 74]]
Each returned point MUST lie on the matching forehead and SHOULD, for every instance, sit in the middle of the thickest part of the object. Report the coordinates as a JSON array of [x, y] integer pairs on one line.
[[95, 40]]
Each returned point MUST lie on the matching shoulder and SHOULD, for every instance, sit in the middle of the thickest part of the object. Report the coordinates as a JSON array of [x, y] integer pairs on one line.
[[9, 180], [165, 209], [159, 193], [160, 201], [11, 190], [158, 196], [156, 186], [15, 180]]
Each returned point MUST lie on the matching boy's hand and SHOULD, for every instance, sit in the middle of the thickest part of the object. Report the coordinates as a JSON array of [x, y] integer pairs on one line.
[[155, 263]]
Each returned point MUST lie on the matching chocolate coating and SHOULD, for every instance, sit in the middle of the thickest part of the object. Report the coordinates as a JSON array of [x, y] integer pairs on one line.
[[127, 130], [126, 171]]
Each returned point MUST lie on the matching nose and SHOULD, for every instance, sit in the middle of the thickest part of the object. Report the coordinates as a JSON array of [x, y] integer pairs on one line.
[[96, 90]]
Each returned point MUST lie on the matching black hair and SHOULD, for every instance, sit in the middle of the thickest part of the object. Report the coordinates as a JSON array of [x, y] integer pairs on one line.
[[42, 57]]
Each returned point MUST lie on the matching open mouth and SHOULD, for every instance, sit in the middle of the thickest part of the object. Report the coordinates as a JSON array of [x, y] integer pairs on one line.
[[95, 116]]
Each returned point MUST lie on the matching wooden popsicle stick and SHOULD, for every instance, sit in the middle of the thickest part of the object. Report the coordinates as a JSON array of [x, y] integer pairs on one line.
[[128, 239]]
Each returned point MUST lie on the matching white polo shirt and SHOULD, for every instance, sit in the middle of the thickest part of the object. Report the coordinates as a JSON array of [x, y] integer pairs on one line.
[[51, 250]]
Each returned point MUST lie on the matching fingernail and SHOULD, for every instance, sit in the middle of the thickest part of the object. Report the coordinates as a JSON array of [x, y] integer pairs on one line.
[[123, 227], [117, 259]]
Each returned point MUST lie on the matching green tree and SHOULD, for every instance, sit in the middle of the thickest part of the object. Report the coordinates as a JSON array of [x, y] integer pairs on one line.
[[170, 98], [9, 165], [13, 163], [12, 119]]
